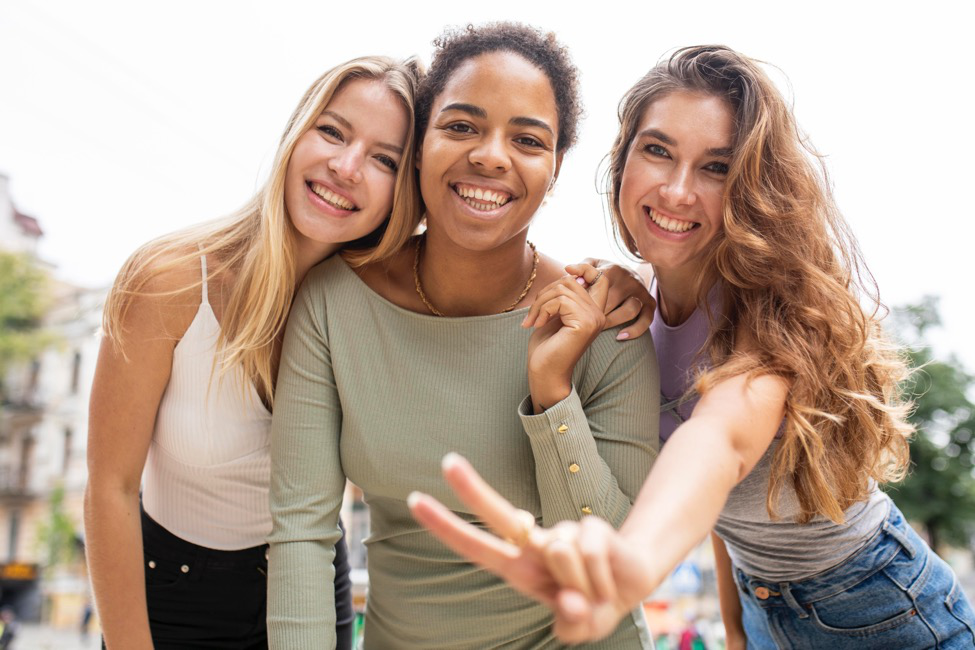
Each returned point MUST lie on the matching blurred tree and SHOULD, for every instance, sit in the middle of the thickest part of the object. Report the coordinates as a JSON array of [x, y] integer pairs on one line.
[[57, 535], [939, 493], [23, 301]]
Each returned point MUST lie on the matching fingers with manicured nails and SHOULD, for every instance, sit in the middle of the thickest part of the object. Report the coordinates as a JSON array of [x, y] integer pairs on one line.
[[546, 295], [481, 498], [641, 325], [461, 537], [630, 308], [563, 297]]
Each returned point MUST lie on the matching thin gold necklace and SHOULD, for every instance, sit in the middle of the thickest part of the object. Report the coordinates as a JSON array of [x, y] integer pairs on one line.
[[437, 312]]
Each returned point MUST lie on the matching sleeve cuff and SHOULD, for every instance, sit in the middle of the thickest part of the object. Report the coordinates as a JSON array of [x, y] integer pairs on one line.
[[567, 464]]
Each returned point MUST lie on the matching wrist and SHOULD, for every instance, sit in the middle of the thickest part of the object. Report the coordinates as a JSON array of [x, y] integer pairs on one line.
[[547, 392]]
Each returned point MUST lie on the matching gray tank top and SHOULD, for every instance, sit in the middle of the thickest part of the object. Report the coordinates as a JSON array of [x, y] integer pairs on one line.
[[779, 550]]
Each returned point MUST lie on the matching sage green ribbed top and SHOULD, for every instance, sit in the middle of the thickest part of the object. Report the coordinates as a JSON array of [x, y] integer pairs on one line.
[[378, 394]]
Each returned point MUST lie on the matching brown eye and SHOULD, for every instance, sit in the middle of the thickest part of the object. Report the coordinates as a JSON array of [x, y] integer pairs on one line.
[[529, 141]]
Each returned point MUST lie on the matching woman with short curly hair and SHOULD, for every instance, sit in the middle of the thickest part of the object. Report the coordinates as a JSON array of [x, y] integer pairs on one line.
[[388, 366]]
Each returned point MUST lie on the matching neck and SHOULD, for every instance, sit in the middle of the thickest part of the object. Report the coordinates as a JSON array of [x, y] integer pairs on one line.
[[461, 282], [677, 293], [307, 255]]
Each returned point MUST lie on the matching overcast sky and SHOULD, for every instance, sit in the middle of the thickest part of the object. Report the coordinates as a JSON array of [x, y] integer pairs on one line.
[[120, 121]]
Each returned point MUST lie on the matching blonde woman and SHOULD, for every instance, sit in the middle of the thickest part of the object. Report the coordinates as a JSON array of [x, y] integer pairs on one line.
[[780, 400], [185, 379]]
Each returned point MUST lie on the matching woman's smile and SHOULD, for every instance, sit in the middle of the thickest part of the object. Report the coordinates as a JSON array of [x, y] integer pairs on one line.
[[488, 158]]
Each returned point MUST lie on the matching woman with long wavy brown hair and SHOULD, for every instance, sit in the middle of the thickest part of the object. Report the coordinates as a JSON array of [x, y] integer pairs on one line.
[[780, 405]]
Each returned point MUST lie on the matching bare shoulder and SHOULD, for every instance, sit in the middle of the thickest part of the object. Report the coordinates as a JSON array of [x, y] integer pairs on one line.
[[162, 291]]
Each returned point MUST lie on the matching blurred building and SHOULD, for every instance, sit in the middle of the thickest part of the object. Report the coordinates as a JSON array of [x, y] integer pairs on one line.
[[18, 232], [43, 431]]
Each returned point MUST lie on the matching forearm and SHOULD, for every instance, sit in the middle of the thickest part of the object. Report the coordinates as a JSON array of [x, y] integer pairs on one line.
[[301, 595], [684, 494], [727, 591], [594, 449], [573, 479], [306, 486], [114, 550]]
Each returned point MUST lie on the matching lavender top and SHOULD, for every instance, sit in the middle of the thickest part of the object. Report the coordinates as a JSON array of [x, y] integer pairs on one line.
[[775, 550]]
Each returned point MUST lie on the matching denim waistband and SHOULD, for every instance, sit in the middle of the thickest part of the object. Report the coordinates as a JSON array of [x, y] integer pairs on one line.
[[159, 542], [891, 537]]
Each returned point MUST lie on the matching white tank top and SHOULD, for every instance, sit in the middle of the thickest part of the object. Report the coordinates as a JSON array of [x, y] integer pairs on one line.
[[208, 470]]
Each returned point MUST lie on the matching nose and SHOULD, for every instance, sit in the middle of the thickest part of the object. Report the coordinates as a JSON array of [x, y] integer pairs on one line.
[[679, 188], [491, 153], [347, 164]]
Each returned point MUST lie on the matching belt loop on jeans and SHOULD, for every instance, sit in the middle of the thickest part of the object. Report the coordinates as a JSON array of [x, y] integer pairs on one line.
[[791, 601]]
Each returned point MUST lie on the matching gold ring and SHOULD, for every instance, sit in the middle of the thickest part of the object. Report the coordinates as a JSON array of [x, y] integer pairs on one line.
[[595, 280], [526, 523]]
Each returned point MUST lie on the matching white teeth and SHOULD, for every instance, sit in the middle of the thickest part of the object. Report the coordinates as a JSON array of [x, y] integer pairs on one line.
[[480, 198], [332, 198], [670, 225]]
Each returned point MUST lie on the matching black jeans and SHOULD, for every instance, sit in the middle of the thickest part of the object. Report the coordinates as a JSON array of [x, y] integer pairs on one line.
[[201, 598]]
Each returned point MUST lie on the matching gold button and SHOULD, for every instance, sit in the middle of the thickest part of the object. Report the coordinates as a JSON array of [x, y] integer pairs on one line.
[[573, 468], [152, 564], [562, 428], [184, 569], [586, 510], [761, 593]]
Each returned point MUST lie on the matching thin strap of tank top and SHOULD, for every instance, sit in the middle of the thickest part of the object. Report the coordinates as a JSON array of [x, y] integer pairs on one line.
[[203, 267]]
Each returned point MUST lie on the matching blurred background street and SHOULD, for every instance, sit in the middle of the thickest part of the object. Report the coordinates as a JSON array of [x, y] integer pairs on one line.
[[158, 137]]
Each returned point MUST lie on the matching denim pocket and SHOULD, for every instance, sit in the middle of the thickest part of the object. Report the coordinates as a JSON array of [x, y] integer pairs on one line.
[[875, 605]]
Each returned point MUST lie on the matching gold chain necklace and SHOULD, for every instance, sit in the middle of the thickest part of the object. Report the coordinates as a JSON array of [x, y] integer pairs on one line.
[[437, 312]]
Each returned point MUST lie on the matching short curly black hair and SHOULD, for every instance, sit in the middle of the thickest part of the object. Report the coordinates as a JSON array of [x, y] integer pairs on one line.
[[455, 46]]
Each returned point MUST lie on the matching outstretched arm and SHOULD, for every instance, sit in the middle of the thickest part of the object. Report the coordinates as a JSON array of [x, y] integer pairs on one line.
[[729, 431]]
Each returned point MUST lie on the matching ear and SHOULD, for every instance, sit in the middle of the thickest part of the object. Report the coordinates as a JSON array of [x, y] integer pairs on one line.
[[558, 166]]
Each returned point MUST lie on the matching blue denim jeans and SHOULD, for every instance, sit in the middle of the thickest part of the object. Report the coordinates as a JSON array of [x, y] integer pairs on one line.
[[894, 593]]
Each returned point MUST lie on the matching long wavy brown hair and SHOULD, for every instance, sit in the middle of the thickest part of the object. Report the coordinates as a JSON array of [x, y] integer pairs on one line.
[[794, 283], [257, 245]]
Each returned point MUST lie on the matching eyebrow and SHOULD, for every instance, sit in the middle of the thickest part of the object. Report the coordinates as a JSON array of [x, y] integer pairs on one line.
[[471, 109], [721, 152], [531, 121], [345, 123], [479, 112]]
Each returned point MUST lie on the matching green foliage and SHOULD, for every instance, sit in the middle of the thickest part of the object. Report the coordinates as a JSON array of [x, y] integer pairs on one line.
[[939, 493], [23, 301], [57, 534]]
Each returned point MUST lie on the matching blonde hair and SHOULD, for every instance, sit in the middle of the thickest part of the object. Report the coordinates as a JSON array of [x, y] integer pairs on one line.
[[258, 242], [790, 271]]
